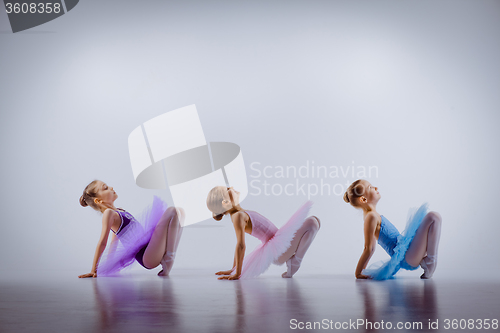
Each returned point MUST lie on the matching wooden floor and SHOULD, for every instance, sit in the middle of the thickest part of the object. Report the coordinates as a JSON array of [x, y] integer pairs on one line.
[[195, 301]]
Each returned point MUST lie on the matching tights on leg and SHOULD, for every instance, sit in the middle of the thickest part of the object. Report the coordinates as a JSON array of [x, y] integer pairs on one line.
[[172, 242], [157, 246], [299, 245], [426, 241]]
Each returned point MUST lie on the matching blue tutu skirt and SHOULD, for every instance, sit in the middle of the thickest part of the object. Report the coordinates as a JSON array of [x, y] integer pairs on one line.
[[387, 269]]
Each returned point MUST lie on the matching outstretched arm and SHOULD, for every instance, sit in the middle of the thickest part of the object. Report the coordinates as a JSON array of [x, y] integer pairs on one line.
[[107, 221], [229, 271], [370, 244], [239, 253]]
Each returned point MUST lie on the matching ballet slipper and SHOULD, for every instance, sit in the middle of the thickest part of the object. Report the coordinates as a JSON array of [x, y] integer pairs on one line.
[[166, 263], [429, 264], [292, 265], [288, 271]]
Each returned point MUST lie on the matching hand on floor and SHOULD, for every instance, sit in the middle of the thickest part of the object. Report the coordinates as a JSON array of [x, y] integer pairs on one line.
[[230, 277], [228, 272], [88, 275]]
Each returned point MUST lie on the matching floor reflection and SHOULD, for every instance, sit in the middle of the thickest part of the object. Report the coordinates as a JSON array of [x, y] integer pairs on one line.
[[262, 306], [399, 301], [190, 301], [127, 305]]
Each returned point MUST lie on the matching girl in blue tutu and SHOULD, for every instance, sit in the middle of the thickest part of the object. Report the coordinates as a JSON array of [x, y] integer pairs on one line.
[[416, 246], [150, 240]]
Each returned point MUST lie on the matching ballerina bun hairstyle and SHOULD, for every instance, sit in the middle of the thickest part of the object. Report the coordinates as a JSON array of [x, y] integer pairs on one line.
[[217, 217], [354, 191], [214, 202], [88, 196]]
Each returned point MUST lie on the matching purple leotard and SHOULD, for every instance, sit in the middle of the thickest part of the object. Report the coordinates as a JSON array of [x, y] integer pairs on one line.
[[127, 218]]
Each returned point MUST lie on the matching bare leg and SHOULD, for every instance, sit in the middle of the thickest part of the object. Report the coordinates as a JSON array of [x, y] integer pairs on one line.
[[157, 245], [299, 245], [426, 240]]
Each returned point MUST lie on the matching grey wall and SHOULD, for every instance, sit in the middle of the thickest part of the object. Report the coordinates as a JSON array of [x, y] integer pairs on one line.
[[409, 87]]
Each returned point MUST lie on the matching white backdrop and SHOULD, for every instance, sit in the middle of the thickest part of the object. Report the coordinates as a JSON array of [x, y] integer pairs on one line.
[[408, 87]]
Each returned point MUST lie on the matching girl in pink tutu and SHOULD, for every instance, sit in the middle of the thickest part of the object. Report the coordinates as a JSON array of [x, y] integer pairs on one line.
[[416, 246], [152, 240], [287, 244]]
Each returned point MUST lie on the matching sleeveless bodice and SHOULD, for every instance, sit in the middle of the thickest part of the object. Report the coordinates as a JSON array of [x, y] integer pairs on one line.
[[262, 228], [129, 224], [126, 218], [388, 236]]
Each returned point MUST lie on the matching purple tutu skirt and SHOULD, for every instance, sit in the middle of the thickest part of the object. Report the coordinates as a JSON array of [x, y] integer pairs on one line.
[[131, 241]]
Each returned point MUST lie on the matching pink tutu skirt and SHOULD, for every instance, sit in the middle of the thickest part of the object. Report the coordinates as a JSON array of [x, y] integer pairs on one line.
[[272, 246]]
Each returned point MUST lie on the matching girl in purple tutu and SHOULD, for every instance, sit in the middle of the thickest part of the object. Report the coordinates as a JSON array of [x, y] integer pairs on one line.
[[287, 244], [151, 240], [417, 245]]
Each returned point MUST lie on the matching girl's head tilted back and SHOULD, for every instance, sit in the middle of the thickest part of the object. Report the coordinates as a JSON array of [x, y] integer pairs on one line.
[[98, 196], [220, 199], [361, 193]]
